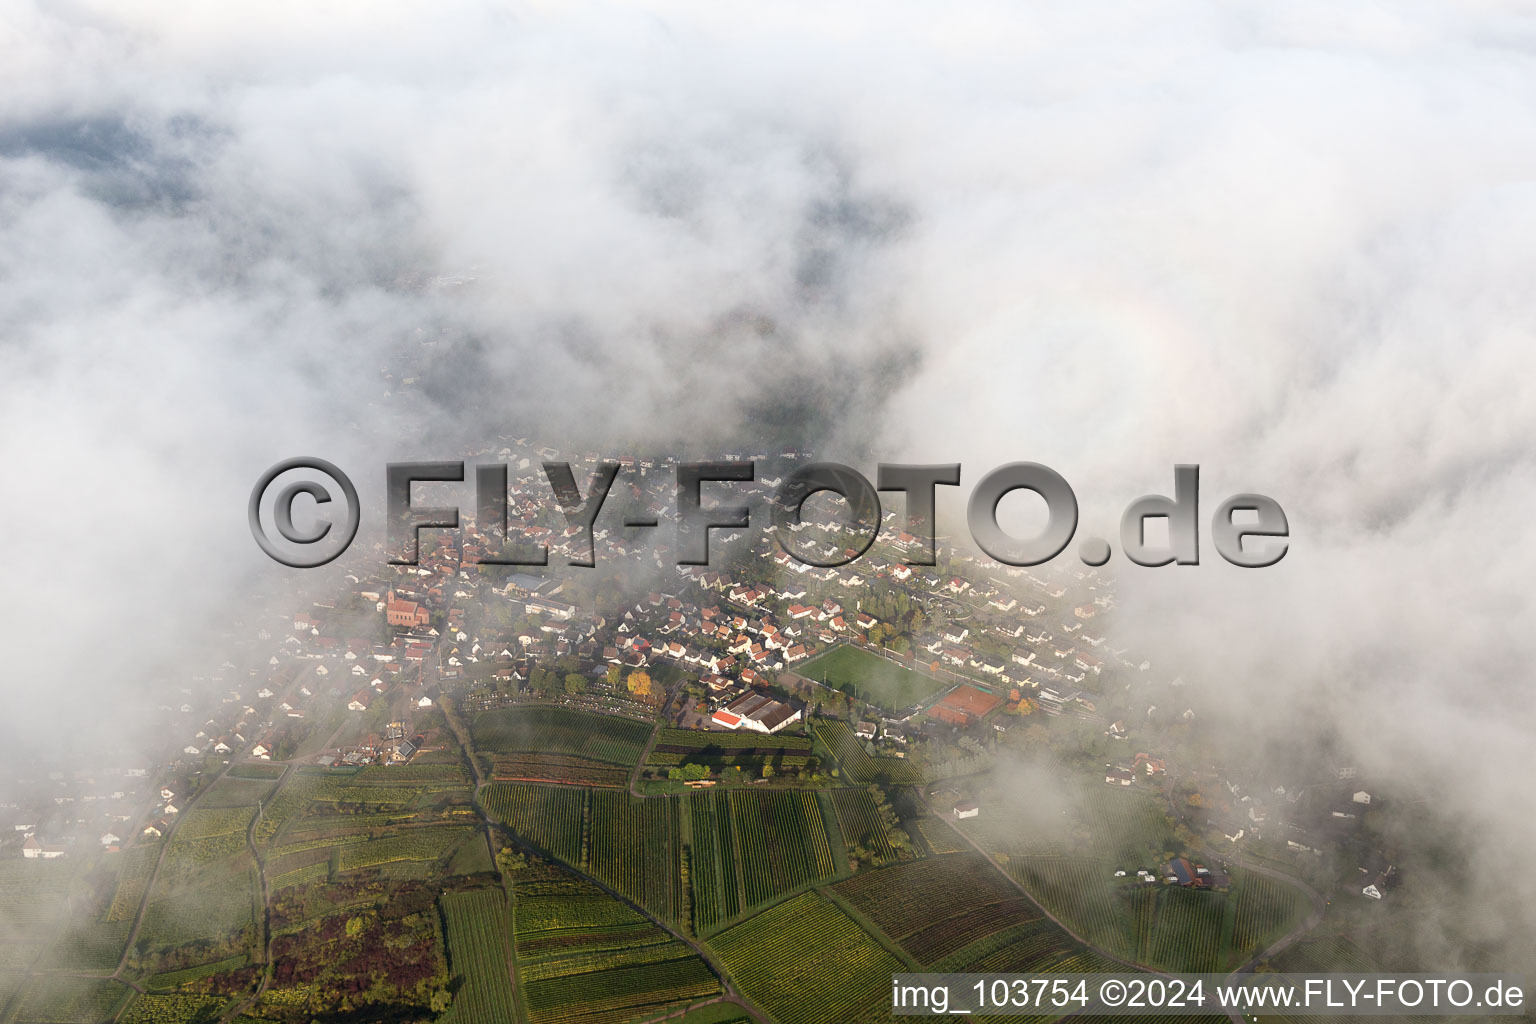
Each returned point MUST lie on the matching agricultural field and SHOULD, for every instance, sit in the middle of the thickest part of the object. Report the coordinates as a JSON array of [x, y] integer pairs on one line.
[[34, 898], [858, 818], [630, 844], [88, 946], [169, 981], [1079, 894], [806, 962], [211, 822], [256, 770], [552, 818], [870, 678], [713, 878], [59, 1000], [477, 929], [10, 983], [937, 906], [217, 908], [32, 892], [1185, 932], [322, 826], [749, 751], [332, 806], [634, 848], [560, 768], [1165, 927], [782, 842], [405, 844], [753, 846], [938, 836], [233, 791], [1039, 947], [301, 875], [173, 1008], [1323, 954], [289, 801], [857, 764], [134, 868], [1267, 908], [424, 778], [584, 957], [717, 1013], [555, 730]]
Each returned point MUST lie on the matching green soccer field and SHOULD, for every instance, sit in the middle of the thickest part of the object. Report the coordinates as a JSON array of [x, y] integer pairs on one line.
[[870, 677]]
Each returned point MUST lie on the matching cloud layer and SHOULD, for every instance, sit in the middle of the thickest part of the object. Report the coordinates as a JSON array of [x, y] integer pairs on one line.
[[1291, 245]]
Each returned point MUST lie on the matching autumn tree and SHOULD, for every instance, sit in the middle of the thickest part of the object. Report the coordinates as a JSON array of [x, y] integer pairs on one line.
[[639, 683]]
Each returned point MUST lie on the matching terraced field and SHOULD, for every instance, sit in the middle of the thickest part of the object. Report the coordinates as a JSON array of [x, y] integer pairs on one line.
[[807, 962], [134, 869], [713, 875], [1078, 893], [1266, 909], [562, 768], [59, 1000], [477, 954], [858, 765], [584, 957], [173, 1008], [938, 836], [1187, 932], [723, 749], [781, 841], [858, 817], [216, 901], [634, 848], [414, 844], [551, 817], [939, 905]]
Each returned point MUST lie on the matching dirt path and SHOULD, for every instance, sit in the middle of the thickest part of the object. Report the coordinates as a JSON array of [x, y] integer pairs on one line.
[[266, 905], [154, 875], [1295, 935], [487, 823], [650, 743]]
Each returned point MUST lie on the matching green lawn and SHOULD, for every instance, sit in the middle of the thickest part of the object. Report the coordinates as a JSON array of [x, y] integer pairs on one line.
[[870, 677]]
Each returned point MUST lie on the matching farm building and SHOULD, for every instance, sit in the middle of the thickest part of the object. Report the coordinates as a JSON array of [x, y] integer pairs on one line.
[[1195, 876], [756, 711], [34, 850], [1119, 776], [967, 809]]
